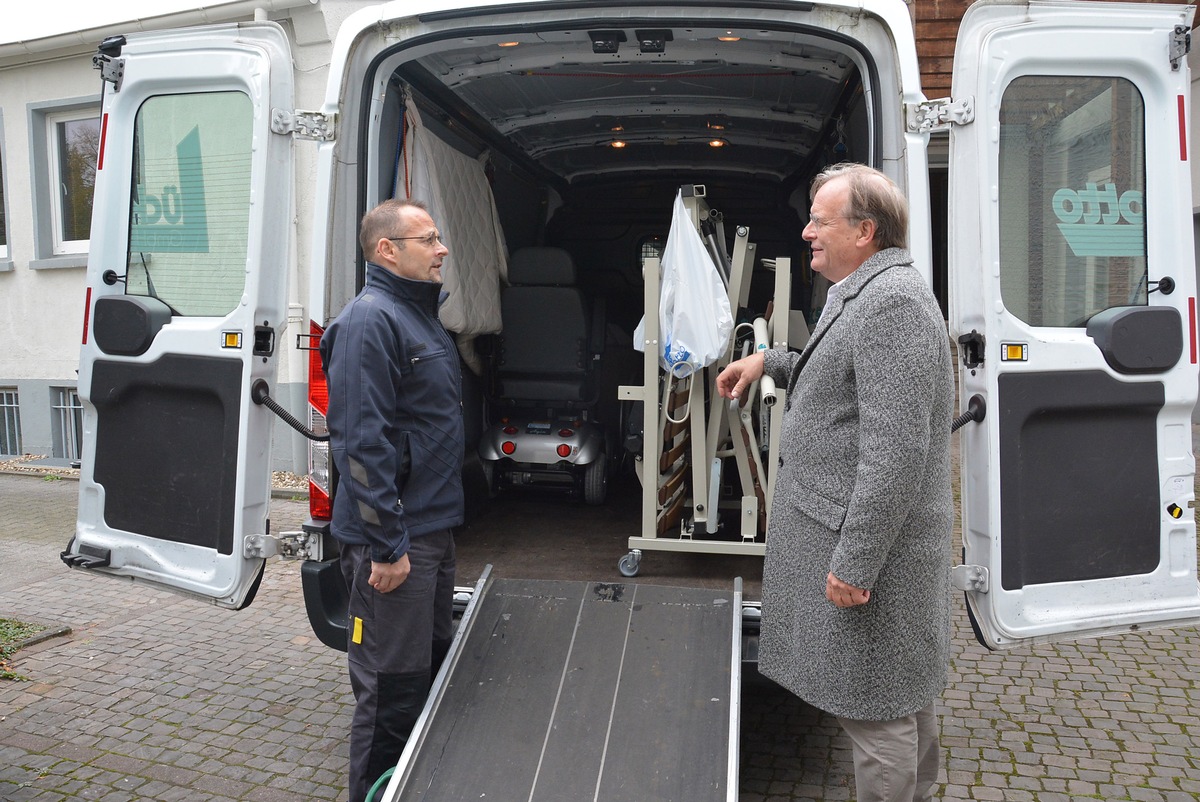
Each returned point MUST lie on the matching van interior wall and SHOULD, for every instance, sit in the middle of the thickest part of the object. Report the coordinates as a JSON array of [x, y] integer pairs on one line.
[[604, 221]]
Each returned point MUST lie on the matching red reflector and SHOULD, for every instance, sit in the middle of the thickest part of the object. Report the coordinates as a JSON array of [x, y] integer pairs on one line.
[[103, 141], [87, 313], [319, 506], [318, 389], [564, 450], [565, 432], [1182, 129], [508, 447], [510, 430]]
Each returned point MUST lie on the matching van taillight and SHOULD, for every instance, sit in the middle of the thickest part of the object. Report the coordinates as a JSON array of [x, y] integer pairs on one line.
[[320, 503]]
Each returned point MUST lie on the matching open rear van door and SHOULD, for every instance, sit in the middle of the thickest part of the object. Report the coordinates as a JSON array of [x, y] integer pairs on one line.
[[186, 299], [1074, 303]]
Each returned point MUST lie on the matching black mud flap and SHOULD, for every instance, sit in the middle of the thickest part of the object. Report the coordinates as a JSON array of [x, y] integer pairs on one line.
[[326, 601]]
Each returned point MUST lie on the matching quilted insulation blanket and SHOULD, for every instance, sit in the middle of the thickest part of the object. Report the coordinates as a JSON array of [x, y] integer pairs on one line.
[[460, 200]]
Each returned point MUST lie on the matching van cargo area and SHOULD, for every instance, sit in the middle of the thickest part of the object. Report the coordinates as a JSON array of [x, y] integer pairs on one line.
[[568, 139]]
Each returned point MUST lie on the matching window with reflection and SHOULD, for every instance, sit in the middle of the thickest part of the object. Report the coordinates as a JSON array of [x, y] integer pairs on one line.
[[1072, 198], [74, 146], [190, 205]]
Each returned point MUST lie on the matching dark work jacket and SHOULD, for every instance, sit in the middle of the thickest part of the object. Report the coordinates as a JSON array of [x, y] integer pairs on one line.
[[395, 415]]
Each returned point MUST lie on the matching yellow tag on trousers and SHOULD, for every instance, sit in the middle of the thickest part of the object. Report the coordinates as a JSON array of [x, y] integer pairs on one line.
[[357, 637]]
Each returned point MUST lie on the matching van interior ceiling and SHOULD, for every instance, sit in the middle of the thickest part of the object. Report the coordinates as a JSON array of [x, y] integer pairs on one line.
[[587, 132]]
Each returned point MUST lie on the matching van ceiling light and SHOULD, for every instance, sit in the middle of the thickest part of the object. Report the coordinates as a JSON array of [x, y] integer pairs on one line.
[[729, 37], [508, 44], [617, 143], [717, 143], [653, 41], [606, 41]]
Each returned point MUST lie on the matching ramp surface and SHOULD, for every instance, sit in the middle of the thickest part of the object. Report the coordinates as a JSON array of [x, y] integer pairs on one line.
[[583, 691]]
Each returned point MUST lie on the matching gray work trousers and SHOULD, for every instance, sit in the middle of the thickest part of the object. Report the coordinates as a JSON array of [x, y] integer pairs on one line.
[[396, 642], [897, 760]]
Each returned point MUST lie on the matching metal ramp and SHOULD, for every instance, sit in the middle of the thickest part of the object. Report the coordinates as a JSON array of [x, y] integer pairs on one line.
[[557, 690]]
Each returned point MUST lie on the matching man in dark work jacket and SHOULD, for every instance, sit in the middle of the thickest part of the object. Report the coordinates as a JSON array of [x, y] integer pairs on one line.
[[396, 435]]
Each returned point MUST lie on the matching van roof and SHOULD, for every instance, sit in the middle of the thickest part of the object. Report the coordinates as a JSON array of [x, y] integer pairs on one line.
[[575, 97]]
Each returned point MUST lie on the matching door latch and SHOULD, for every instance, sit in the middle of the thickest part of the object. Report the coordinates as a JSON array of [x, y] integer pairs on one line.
[[970, 349]]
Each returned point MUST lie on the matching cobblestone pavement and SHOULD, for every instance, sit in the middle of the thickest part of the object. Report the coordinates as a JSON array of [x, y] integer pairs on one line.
[[157, 697]]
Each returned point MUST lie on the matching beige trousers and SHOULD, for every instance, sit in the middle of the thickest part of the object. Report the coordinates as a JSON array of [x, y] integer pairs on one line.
[[895, 761]]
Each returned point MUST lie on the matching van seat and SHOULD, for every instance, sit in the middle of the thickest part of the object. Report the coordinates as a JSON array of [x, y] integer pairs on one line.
[[544, 354]]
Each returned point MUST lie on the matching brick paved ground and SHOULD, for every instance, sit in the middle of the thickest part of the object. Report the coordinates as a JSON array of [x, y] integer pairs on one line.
[[157, 697]]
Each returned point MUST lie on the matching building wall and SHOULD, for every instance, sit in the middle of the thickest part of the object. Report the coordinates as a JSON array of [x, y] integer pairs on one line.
[[41, 298], [42, 295]]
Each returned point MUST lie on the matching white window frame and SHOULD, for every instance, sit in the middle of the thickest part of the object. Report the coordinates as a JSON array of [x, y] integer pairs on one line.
[[49, 249], [6, 246], [61, 246]]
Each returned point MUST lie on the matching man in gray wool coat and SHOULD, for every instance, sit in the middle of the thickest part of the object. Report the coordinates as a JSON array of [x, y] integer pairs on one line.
[[855, 593]]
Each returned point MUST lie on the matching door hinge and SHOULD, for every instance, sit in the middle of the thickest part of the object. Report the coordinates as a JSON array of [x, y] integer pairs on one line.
[[304, 124], [939, 114], [289, 545], [111, 69], [970, 578], [1181, 45]]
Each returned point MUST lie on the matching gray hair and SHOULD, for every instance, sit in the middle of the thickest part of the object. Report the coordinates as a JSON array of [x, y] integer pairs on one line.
[[874, 197]]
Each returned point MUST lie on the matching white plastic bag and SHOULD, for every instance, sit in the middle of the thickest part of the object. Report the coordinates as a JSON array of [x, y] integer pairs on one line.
[[693, 307]]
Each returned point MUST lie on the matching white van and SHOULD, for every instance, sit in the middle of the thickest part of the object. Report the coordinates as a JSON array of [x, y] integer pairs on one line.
[[573, 125]]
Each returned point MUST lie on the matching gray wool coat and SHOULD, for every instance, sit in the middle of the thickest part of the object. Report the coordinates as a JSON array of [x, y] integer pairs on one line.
[[863, 490]]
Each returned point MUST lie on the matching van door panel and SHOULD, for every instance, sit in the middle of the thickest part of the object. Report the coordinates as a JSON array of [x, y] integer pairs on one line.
[[1071, 271], [187, 273], [148, 417], [1063, 520]]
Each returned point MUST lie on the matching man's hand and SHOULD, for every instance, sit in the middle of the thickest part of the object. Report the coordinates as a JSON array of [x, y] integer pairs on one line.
[[844, 595], [737, 376], [386, 577]]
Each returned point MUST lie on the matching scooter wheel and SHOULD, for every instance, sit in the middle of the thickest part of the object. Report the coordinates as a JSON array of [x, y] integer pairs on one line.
[[595, 482]]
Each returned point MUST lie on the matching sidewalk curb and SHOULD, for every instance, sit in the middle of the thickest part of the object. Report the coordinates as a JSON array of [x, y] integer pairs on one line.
[[276, 492]]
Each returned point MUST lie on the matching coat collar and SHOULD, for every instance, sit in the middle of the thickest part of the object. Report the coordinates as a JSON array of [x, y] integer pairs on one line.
[[849, 289], [426, 293], [854, 283]]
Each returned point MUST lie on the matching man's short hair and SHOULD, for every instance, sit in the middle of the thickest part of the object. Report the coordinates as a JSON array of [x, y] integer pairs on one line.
[[874, 197], [382, 221]]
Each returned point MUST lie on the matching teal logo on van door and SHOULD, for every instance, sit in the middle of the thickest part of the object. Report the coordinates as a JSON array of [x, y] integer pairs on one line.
[[170, 213], [1097, 222]]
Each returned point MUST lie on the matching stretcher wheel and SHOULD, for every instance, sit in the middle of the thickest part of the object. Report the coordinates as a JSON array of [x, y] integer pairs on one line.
[[630, 564]]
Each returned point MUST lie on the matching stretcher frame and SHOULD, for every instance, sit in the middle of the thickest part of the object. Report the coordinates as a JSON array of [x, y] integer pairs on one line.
[[661, 487]]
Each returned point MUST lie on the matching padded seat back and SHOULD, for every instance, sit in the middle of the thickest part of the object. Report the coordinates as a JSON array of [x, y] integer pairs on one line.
[[544, 355]]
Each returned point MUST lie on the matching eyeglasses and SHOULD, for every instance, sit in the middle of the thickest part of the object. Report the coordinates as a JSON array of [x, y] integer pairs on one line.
[[825, 222], [427, 240]]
